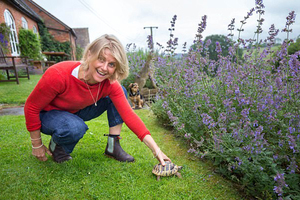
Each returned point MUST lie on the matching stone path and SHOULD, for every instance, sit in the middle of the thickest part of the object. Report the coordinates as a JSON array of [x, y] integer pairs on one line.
[[20, 110], [12, 111]]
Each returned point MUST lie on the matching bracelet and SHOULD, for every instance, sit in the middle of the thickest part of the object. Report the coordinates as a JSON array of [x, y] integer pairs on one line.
[[38, 146], [36, 138], [157, 153]]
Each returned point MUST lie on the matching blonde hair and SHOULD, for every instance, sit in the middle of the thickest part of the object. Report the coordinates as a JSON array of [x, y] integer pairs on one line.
[[96, 49]]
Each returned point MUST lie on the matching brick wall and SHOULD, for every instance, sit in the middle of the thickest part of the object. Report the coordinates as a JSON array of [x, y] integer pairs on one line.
[[55, 28], [17, 15]]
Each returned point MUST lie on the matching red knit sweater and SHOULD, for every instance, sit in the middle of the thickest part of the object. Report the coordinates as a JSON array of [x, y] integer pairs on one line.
[[59, 90]]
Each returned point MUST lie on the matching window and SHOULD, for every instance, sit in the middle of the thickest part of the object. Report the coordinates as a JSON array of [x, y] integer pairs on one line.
[[13, 37], [35, 30], [24, 23]]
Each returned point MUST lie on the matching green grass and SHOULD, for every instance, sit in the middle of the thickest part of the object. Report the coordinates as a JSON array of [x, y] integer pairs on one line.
[[12, 93], [91, 175]]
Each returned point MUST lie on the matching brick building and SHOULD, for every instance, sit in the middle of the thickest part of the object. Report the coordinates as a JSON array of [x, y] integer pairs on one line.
[[60, 31], [83, 38], [16, 14]]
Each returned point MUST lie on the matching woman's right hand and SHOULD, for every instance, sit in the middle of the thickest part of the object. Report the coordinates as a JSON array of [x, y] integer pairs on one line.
[[40, 153], [39, 150]]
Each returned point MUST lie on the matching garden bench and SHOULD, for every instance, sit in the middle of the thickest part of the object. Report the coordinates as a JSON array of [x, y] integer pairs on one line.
[[13, 63], [149, 95]]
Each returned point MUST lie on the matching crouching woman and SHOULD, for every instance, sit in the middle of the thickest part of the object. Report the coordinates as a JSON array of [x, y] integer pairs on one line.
[[71, 92]]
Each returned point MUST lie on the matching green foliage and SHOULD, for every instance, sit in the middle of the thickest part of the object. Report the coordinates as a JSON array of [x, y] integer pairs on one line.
[[294, 47], [136, 61], [245, 118], [29, 44], [4, 38], [79, 52], [48, 43]]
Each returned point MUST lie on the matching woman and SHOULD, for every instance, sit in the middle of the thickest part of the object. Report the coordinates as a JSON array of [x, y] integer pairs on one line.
[[72, 92]]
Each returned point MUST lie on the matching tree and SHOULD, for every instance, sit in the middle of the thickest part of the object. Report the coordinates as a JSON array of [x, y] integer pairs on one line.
[[211, 49], [294, 47]]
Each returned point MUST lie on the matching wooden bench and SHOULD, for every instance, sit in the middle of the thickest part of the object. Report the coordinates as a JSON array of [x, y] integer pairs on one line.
[[149, 95], [13, 64]]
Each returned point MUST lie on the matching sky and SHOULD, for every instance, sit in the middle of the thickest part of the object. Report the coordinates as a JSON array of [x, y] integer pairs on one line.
[[127, 19]]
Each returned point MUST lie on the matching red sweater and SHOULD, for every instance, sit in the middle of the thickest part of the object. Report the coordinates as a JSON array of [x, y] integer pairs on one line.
[[58, 89]]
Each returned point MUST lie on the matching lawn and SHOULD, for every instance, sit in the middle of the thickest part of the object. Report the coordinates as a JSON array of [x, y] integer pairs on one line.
[[91, 175], [12, 93]]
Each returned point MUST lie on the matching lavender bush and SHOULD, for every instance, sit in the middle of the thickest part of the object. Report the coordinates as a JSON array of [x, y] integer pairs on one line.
[[241, 113], [4, 37]]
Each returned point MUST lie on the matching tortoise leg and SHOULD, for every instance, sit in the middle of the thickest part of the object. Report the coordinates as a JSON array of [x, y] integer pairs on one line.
[[158, 178], [178, 174]]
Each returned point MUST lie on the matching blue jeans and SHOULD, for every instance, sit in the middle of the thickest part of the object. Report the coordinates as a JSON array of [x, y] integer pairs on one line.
[[67, 128]]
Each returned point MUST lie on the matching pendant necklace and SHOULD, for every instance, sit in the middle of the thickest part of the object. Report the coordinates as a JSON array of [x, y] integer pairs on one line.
[[95, 101]]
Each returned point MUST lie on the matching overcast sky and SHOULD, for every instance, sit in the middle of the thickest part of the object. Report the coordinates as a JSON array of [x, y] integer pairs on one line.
[[126, 19]]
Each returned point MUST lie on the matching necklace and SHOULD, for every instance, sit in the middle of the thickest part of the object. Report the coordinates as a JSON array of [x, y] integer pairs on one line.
[[95, 100]]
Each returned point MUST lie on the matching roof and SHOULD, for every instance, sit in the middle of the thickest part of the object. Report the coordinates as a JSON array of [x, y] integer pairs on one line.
[[50, 15], [23, 7]]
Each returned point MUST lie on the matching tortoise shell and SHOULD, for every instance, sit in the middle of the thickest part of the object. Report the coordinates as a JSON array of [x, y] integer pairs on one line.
[[168, 170]]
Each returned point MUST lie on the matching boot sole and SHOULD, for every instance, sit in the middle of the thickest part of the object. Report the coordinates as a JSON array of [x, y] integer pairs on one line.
[[109, 156]]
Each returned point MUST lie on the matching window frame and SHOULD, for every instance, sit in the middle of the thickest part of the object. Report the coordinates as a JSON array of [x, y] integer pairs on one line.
[[13, 36]]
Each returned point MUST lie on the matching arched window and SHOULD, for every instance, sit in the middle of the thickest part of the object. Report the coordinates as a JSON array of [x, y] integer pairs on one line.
[[13, 37], [24, 23], [35, 30]]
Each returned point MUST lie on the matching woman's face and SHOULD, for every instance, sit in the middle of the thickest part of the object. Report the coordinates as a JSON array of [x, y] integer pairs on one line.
[[102, 68]]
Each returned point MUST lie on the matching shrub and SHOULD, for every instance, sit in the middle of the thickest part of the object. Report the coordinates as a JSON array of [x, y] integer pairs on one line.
[[29, 44], [48, 43], [246, 117], [136, 60], [79, 52], [4, 37]]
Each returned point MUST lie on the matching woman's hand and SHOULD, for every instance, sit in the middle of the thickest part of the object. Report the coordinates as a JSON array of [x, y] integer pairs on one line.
[[39, 150], [161, 157], [40, 153]]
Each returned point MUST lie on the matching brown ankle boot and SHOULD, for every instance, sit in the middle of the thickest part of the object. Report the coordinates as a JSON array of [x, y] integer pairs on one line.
[[58, 153], [114, 150]]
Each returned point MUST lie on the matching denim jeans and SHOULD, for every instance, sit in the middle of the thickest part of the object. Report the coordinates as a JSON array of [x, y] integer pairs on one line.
[[67, 129]]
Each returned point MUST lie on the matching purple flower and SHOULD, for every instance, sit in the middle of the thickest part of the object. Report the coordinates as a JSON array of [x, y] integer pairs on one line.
[[188, 135], [1, 38], [239, 160], [227, 103], [231, 25], [245, 112], [191, 150], [201, 28], [237, 90], [218, 47], [261, 168], [280, 180], [290, 19], [181, 127]]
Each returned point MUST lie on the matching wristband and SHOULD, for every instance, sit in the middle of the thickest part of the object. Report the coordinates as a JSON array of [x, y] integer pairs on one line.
[[157, 153], [38, 146], [36, 138]]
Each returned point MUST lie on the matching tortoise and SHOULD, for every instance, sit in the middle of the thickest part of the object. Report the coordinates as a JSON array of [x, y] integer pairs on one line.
[[168, 170]]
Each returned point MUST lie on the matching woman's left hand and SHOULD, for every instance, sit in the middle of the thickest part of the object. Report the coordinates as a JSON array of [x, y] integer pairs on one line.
[[161, 157]]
